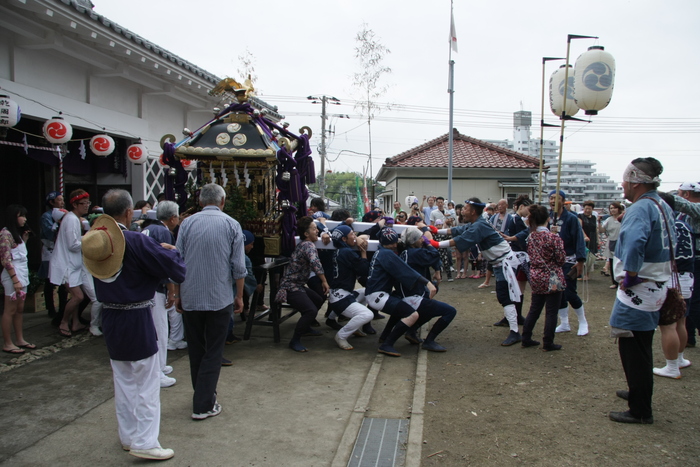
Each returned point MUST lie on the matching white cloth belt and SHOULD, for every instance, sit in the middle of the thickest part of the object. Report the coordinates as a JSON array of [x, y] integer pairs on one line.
[[377, 300], [647, 296], [510, 263], [413, 300], [337, 295], [686, 281]]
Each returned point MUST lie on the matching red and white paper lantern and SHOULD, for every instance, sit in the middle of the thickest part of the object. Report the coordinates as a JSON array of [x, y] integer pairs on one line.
[[137, 153], [57, 130], [594, 77], [556, 92], [102, 145], [188, 164], [162, 164]]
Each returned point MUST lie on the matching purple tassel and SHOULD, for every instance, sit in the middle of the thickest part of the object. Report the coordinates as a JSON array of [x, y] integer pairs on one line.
[[294, 186], [311, 171], [289, 228]]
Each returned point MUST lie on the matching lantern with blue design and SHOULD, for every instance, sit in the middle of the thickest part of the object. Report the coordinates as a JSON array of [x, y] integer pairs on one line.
[[556, 92], [594, 77]]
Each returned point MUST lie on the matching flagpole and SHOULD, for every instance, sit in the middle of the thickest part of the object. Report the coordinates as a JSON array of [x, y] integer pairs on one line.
[[450, 90]]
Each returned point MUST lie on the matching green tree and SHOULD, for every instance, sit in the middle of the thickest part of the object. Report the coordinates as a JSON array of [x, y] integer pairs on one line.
[[340, 187]]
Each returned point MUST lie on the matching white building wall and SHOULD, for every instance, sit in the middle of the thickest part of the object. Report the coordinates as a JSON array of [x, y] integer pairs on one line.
[[97, 87]]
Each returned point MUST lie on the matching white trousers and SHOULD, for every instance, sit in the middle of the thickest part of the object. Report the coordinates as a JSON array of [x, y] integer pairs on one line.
[[359, 315], [137, 401], [88, 287], [177, 330], [160, 321]]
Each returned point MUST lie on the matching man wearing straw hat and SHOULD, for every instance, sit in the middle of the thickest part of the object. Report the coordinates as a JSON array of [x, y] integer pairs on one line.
[[127, 267]]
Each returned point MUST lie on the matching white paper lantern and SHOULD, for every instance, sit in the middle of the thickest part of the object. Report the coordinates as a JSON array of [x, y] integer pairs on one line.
[[188, 164], [410, 199], [594, 77], [57, 130], [556, 92], [137, 153], [102, 145], [10, 113]]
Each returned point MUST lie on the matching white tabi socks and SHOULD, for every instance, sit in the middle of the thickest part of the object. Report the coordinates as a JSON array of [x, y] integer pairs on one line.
[[582, 323], [682, 362], [512, 317], [564, 319], [670, 370]]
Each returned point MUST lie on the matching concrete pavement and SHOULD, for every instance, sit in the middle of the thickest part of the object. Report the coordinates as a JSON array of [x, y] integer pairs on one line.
[[280, 408]]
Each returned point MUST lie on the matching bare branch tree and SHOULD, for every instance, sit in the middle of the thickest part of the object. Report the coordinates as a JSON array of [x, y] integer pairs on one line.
[[246, 70], [370, 54]]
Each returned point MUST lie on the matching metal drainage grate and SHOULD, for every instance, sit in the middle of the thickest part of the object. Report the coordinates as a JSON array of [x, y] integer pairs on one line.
[[380, 443]]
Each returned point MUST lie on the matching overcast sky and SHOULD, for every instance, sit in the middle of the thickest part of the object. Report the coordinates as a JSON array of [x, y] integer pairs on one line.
[[306, 47]]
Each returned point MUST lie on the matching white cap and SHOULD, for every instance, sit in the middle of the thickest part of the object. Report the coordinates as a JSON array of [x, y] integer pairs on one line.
[[690, 186]]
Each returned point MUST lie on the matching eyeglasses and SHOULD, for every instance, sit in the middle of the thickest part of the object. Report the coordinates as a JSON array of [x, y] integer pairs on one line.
[[85, 203]]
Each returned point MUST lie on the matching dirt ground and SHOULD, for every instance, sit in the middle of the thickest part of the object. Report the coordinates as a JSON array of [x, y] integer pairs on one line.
[[493, 405]]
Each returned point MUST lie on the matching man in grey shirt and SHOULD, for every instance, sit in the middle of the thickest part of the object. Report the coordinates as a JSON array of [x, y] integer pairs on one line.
[[211, 244]]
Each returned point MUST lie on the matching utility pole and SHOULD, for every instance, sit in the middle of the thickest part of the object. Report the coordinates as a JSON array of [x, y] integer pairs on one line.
[[322, 149]]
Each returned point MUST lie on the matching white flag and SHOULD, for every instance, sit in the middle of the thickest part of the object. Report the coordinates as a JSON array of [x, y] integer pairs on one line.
[[453, 32]]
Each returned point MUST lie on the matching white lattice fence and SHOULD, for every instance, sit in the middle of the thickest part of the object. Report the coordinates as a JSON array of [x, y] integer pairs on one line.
[[154, 178]]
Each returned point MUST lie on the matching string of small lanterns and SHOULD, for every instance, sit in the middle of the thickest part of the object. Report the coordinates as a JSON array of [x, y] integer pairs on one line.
[[57, 131]]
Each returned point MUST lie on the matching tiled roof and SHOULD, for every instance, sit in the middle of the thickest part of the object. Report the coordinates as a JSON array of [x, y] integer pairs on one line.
[[467, 153], [80, 6]]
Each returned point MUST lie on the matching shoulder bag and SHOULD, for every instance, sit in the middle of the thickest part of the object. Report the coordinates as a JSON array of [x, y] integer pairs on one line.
[[674, 307]]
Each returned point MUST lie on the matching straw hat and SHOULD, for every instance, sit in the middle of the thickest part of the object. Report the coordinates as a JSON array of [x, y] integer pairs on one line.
[[103, 248]]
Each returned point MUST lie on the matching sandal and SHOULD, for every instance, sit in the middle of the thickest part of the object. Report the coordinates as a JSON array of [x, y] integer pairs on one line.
[[27, 346], [14, 351], [64, 332], [484, 285]]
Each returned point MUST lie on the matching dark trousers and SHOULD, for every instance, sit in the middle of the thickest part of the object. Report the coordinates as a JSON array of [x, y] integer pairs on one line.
[[551, 302], [429, 309], [397, 310], [693, 321], [502, 293], [570, 294], [307, 303], [206, 337], [637, 361], [610, 270], [48, 296]]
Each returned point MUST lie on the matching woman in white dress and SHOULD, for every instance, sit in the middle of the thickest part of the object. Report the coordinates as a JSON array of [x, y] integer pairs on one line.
[[15, 278]]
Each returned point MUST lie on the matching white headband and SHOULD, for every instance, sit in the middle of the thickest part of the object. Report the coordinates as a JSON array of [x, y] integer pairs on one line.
[[634, 174]]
